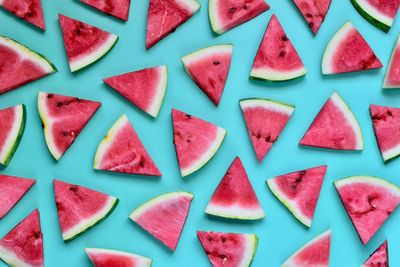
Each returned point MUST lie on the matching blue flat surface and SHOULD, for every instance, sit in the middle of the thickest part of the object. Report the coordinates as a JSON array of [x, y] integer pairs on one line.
[[280, 233]]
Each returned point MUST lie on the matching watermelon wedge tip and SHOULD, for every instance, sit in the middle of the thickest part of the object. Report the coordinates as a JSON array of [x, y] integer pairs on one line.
[[113, 258], [379, 258], [314, 12], [30, 11]]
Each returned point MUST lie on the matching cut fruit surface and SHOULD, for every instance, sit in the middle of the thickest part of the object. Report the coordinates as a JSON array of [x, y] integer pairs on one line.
[[84, 43], [276, 58], [209, 68], [299, 191], [29, 10], [113, 258], [335, 127], [234, 197], [229, 249], [314, 12], [115, 8], [380, 257], [164, 216], [122, 151], [196, 141], [348, 51], [265, 120], [392, 76], [80, 208], [144, 88], [368, 201]]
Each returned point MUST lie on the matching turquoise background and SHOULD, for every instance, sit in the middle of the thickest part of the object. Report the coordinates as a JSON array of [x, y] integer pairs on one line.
[[280, 234]]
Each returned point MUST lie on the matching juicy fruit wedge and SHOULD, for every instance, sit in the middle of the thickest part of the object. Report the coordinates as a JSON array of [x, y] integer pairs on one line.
[[173, 13], [314, 12], [122, 151], [84, 43], [209, 68], [265, 120], [299, 191], [29, 10], [12, 126], [110, 258], [20, 65], [234, 197], [380, 257], [63, 118], [348, 51], [335, 127], [80, 208], [196, 141], [145, 88], [229, 249], [227, 14], [164, 216], [23, 245], [392, 76], [368, 201], [115, 8], [276, 58]]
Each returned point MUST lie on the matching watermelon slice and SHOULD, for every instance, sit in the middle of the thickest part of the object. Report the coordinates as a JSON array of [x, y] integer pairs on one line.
[[115, 8], [299, 191], [315, 253], [12, 126], [368, 201], [145, 88], [335, 127], [29, 10], [314, 12], [234, 197], [196, 141], [392, 76], [63, 118], [229, 249], [348, 51], [209, 68], [276, 58], [173, 13], [85, 44], [122, 151], [23, 245], [227, 14], [113, 258], [20, 65], [164, 216], [257, 112], [80, 208], [380, 257]]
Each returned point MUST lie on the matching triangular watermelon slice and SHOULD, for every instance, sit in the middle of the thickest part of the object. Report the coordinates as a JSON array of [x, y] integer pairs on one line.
[[315, 253], [12, 125], [348, 51], [145, 88], [368, 201], [392, 76], [196, 141], [84, 43], [265, 120], [228, 14], [23, 245], [209, 68], [276, 58], [63, 118], [335, 127], [299, 191], [80, 208], [380, 257], [20, 65], [164, 216], [234, 197], [30, 11], [229, 249], [113, 258], [165, 16], [122, 151], [12, 189], [314, 12], [115, 8]]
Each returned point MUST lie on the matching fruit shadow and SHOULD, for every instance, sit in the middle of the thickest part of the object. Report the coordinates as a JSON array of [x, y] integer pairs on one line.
[[327, 150], [90, 8], [229, 220], [350, 75], [33, 27], [277, 84], [121, 175]]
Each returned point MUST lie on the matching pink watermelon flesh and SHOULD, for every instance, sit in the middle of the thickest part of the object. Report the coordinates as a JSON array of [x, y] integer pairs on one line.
[[386, 7], [392, 78], [25, 241], [380, 257], [12, 189], [116, 8], [112, 258], [29, 10], [314, 12]]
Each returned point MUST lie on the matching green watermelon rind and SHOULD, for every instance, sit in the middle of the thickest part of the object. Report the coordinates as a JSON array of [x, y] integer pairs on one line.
[[364, 12], [144, 261], [276, 103], [277, 77], [235, 213], [389, 66]]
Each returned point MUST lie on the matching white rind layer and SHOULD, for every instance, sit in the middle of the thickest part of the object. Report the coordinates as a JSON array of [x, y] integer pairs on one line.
[[274, 75], [190, 5], [389, 67], [11, 259], [250, 250], [370, 180], [391, 153], [158, 99], [206, 52], [374, 13], [213, 14], [235, 212], [9, 143], [266, 104], [140, 261]]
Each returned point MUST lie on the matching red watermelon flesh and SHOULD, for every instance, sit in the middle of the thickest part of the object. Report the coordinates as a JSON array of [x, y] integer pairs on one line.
[[23, 245], [29, 10], [116, 8], [314, 12], [386, 7], [380, 257], [113, 258], [392, 77], [164, 16], [12, 189]]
